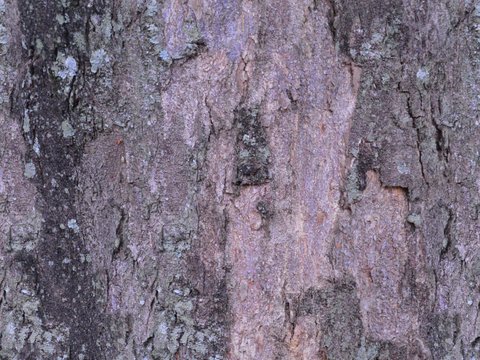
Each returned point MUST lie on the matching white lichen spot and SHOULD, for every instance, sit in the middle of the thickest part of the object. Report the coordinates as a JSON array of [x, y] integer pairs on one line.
[[26, 122], [72, 224], [422, 74], [3, 35], [415, 219], [67, 129], [70, 68], [38, 45], [165, 56], [163, 328], [66, 261], [152, 8], [11, 328], [30, 170], [36, 146], [98, 59], [403, 169], [62, 19], [178, 292], [476, 12]]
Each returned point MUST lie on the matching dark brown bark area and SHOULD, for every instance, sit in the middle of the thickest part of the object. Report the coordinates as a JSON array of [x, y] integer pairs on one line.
[[234, 179]]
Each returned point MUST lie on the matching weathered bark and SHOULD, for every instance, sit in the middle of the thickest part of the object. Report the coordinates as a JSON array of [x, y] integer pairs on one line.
[[236, 179]]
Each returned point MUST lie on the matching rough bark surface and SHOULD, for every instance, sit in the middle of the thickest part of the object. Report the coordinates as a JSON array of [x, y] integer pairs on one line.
[[238, 179]]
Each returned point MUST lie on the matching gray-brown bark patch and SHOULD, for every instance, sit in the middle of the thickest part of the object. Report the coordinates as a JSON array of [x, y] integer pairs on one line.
[[252, 152]]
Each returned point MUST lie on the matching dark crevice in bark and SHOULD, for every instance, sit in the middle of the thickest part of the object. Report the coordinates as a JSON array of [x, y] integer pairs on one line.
[[448, 235]]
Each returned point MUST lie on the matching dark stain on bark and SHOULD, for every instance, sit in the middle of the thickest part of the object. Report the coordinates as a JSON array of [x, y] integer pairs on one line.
[[65, 281]]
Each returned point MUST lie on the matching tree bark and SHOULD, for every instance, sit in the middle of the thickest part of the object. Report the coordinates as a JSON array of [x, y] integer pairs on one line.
[[239, 179]]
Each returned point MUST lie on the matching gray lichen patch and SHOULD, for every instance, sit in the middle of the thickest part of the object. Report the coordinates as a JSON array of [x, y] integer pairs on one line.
[[36, 146], [3, 35], [24, 328], [175, 238], [422, 75], [23, 236], [26, 122], [354, 187], [67, 68], [98, 59], [252, 152], [166, 57], [176, 329], [79, 40], [67, 129], [30, 170], [72, 224], [415, 219]]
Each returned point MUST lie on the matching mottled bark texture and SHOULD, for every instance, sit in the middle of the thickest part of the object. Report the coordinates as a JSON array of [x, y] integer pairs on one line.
[[239, 179]]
